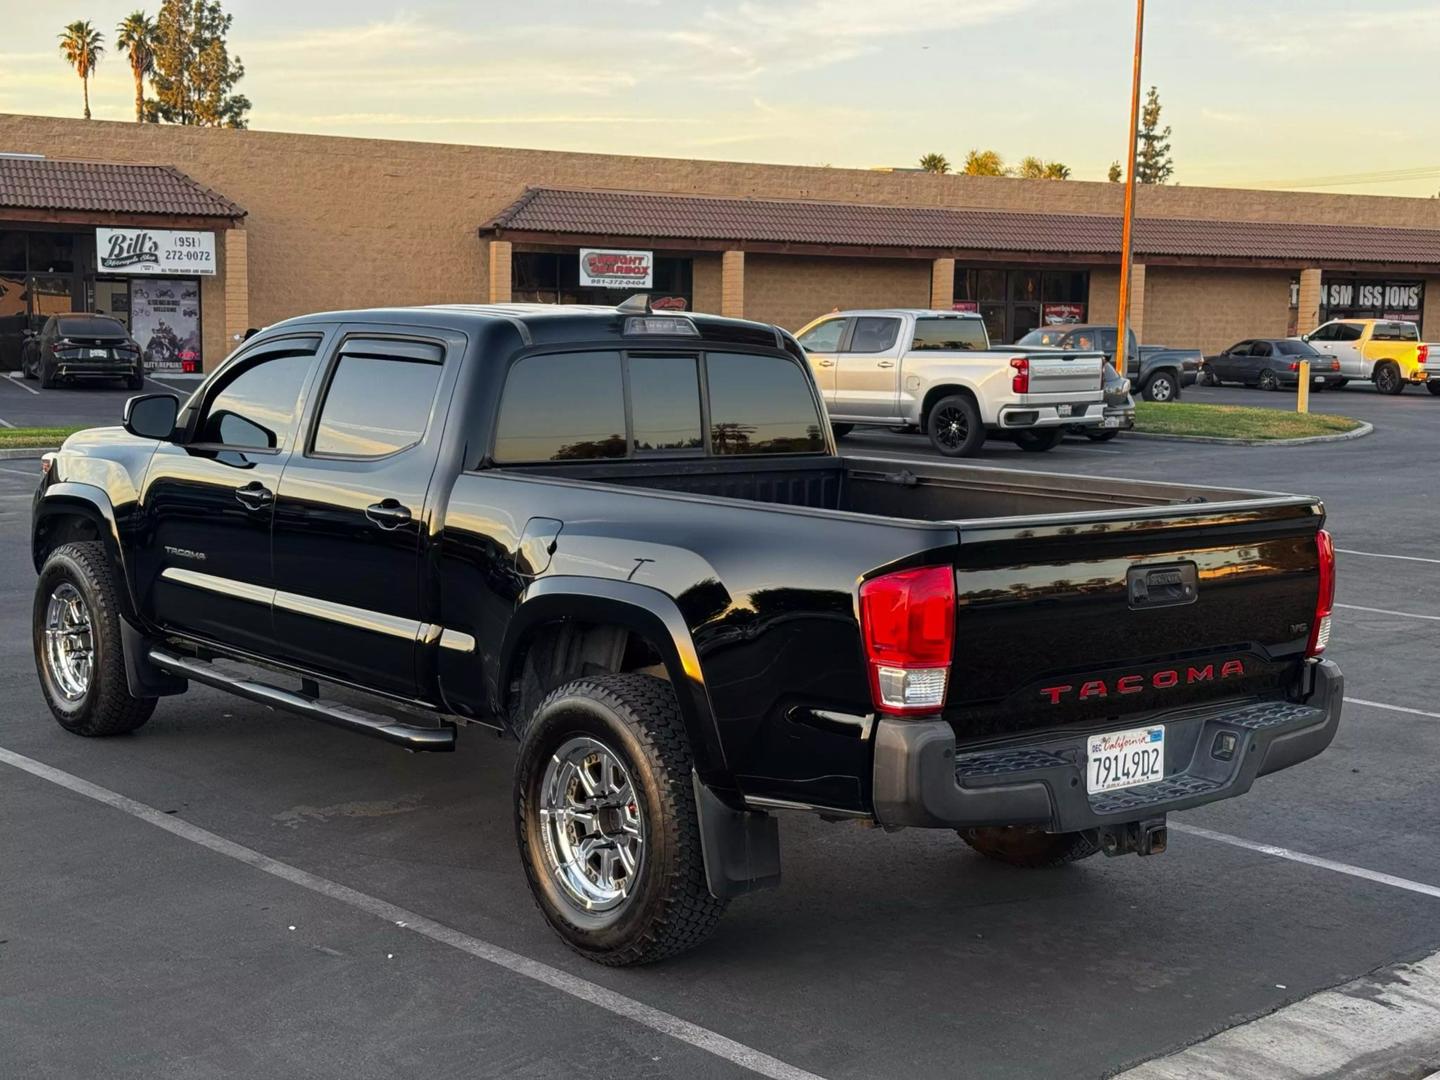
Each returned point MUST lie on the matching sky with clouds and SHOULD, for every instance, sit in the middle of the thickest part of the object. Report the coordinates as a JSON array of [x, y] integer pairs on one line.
[[1318, 94]]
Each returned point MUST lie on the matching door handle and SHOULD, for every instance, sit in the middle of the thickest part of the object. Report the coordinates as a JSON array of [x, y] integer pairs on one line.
[[388, 514], [254, 496], [886, 363], [824, 363]]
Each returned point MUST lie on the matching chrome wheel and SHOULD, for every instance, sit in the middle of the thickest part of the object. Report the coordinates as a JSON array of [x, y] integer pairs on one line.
[[591, 824], [69, 642]]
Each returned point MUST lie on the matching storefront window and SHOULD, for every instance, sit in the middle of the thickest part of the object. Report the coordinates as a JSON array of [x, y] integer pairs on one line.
[[1013, 302], [1369, 298], [165, 320], [545, 277]]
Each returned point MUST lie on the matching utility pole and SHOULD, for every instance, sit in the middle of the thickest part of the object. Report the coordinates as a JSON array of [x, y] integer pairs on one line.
[[1122, 319]]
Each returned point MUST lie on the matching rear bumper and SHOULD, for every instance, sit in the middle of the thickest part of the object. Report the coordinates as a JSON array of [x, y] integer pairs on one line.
[[96, 369], [1024, 415], [921, 780]]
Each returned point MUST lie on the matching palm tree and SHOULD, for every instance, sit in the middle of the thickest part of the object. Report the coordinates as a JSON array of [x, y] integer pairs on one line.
[[1055, 170], [135, 37], [82, 46], [935, 163]]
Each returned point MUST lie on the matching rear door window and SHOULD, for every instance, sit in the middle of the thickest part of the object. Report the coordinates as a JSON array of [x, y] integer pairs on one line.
[[1261, 348], [761, 405], [562, 407], [380, 398], [960, 335], [873, 334]]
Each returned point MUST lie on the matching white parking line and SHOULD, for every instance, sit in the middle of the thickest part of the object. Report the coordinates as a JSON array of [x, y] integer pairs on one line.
[[34, 475], [583, 989], [1377, 555], [1383, 1024], [6, 423], [1300, 857], [1392, 708], [1387, 611], [15, 381]]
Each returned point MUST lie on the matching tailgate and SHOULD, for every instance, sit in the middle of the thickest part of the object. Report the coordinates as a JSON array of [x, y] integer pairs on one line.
[[1074, 374], [1116, 613]]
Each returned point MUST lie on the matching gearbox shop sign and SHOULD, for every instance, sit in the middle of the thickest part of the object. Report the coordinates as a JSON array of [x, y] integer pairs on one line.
[[154, 251], [602, 268]]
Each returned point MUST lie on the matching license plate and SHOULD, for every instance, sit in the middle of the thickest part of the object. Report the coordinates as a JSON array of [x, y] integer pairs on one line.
[[1111, 421], [1122, 759], [1063, 410], [98, 354]]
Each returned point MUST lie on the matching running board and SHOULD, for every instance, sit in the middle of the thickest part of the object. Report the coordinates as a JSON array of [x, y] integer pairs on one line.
[[389, 730]]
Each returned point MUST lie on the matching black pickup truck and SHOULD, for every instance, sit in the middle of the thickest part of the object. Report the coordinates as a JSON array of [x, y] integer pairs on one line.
[[626, 539]]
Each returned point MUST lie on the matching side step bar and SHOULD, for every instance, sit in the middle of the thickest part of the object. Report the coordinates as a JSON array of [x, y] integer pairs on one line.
[[410, 736]]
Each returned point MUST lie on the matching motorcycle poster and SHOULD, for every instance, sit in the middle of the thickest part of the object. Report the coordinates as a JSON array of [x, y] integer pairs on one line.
[[165, 320]]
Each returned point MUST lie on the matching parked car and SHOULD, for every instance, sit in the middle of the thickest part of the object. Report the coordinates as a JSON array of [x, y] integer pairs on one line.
[[1157, 370], [627, 540], [1387, 352], [1270, 363], [934, 371], [1119, 409], [80, 345]]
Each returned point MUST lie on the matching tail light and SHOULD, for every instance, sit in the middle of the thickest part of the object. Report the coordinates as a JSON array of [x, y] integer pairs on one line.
[[908, 623], [1294, 365], [1423, 353], [1020, 384], [1325, 599], [1334, 365]]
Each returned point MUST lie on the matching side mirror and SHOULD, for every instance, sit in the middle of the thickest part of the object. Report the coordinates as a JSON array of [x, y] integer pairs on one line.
[[152, 416], [1304, 337]]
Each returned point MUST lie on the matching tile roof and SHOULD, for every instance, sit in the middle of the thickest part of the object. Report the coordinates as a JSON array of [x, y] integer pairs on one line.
[[42, 184], [694, 217]]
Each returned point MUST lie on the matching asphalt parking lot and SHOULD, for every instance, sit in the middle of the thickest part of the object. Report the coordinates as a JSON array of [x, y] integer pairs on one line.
[[883, 955], [24, 404]]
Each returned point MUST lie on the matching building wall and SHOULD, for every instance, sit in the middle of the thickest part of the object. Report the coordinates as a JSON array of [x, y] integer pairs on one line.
[[1209, 309], [790, 290], [341, 222], [1430, 314], [705, 283]]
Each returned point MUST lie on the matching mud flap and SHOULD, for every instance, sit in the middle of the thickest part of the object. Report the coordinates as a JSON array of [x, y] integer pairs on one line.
[[741, 847]]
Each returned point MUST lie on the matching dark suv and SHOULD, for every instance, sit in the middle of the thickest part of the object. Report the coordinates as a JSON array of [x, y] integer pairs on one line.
[[82, 346]]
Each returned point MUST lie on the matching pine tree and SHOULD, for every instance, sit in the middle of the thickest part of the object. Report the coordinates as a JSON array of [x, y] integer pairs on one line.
[[1152, 159], [194, 71]]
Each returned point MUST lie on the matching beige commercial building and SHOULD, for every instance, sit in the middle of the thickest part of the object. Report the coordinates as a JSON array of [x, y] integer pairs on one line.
[[104, 215]]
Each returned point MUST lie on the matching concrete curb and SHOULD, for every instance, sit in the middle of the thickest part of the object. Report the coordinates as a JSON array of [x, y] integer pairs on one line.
[[14, 453], [1343, 436]]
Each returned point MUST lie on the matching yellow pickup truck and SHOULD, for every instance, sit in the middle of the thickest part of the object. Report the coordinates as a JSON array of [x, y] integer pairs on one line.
[[1387, 352]]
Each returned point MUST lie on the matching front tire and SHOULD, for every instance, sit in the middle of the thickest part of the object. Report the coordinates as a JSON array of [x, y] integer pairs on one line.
[[1160, 387], [27, 370], [1269, 380], [625, 883], [1388, 380], [1040, 440], [954, 426], [1028, 847], [75, 632]]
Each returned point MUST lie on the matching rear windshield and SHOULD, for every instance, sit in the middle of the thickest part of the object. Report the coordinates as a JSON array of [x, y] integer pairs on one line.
[[1295, 348], [610, 404], [1395, 331], [90, 326], [963, 335]]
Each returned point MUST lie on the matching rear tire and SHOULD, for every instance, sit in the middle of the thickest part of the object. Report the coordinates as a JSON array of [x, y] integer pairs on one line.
[[841, 430], [1340, 384], [135, 382], [1388, 380], [48, 378], [664, 905], [1162, 386], [1102, 436], [1039, 441], [1028, 847], [954, 426], [1433, 386], [75, 632]]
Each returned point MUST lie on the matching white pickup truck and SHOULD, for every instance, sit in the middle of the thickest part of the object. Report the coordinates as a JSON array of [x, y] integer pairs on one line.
[[934, 371]]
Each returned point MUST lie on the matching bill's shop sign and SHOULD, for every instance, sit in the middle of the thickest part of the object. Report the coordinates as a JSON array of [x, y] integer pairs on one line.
[[154, 251], [603, 268]]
